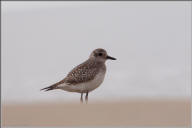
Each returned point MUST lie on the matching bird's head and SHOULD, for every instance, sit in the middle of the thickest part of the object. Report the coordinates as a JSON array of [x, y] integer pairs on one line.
[[101, 55]]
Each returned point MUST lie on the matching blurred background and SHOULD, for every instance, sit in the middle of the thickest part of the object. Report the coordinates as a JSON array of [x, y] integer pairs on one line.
[[43, 41]]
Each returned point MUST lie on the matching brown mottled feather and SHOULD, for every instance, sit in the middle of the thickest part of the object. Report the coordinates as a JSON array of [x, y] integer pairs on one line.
[[82, 73]]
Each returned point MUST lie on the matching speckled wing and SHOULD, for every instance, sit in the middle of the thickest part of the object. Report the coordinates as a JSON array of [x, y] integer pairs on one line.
[[82, 73]]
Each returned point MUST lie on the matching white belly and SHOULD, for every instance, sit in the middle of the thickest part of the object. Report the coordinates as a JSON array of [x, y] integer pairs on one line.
[[84, 87]]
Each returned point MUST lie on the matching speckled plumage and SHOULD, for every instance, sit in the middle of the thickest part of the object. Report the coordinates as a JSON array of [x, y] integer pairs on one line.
[[86, 76], [85, 72]]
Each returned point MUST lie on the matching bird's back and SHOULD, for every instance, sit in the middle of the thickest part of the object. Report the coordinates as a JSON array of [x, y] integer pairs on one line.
[[85, 77], [84, 72]]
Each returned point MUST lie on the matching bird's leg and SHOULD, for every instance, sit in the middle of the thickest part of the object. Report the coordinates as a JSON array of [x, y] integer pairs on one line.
[[86, 97], [81, 99]]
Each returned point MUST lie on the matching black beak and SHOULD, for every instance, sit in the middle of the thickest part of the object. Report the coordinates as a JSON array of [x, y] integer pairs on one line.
[[112, 58]]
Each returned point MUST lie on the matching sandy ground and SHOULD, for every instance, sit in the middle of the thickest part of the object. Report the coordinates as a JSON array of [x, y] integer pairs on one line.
[[124, 113]]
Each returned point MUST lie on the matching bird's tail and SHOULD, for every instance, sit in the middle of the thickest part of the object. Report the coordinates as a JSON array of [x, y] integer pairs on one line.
[[54, 86]]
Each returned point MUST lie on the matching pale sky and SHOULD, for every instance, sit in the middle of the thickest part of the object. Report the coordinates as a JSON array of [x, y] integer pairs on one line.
[[43, 41]]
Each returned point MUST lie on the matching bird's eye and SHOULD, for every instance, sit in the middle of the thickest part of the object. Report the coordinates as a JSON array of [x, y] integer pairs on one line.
[[100, 54]]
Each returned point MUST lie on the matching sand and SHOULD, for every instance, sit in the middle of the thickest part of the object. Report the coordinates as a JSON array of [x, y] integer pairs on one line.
[[122, 113]]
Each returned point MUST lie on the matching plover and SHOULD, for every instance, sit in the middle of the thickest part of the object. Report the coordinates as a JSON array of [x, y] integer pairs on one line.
[[85, 77]]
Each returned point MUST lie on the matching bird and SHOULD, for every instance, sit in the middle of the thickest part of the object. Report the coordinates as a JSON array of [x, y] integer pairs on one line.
[[85, 77]]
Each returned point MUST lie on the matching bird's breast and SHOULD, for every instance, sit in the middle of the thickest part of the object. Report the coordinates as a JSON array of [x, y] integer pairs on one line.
[[93, 84], [90, 85]]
